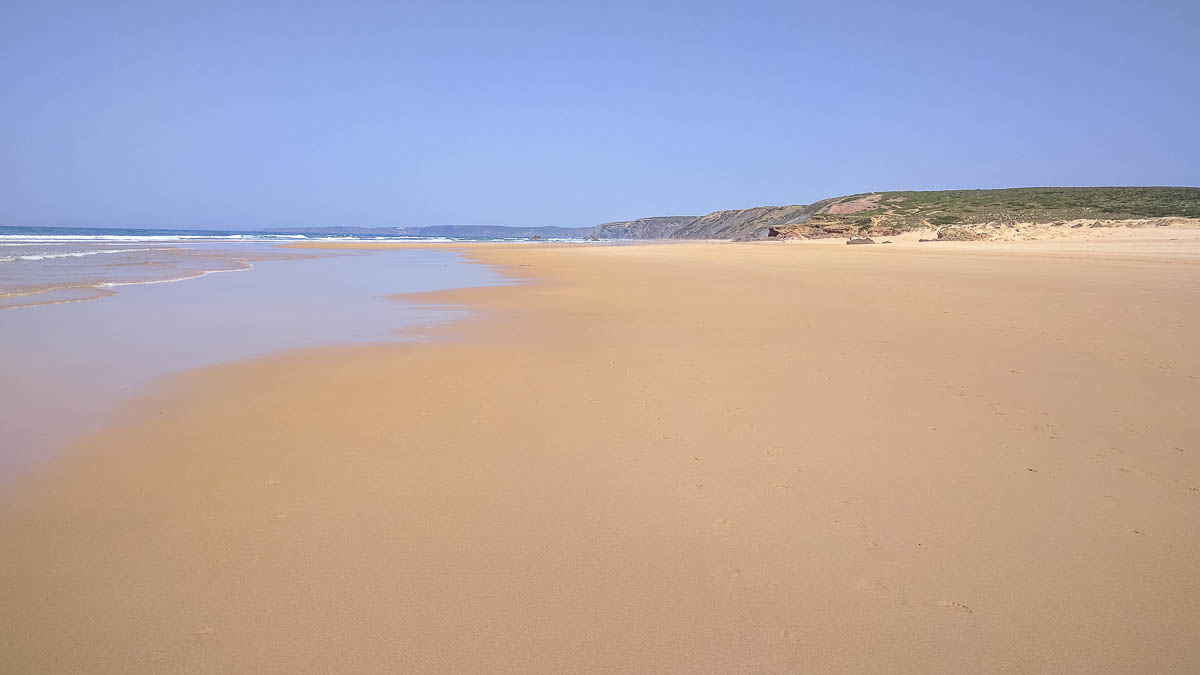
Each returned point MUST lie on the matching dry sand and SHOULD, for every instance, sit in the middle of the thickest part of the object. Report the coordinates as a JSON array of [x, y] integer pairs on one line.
[[673, 458]]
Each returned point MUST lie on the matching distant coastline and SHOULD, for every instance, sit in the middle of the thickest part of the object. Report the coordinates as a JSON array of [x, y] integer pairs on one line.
[[983, 213], [867, 214]]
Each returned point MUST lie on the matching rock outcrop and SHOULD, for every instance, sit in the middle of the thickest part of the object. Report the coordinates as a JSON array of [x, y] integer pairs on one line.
[[826, 230], [752, 223], [661, 227], [959, 234], [811, 231]]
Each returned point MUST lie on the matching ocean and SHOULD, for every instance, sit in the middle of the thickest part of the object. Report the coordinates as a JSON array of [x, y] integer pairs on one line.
[[51, 265], [92, 319]]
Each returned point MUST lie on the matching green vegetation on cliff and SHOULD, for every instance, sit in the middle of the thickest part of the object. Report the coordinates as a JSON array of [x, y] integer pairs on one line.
[[907, 210], [889, 213]]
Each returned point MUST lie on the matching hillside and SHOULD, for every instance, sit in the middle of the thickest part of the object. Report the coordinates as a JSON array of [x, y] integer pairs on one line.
[[731, 224], [889, 213], [871, 214], [660, 227], [745, 222]]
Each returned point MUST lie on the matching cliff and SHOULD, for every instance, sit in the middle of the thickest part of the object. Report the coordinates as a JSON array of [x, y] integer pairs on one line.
[[867, 214], [746, 223], [661, 227], [890, 213]]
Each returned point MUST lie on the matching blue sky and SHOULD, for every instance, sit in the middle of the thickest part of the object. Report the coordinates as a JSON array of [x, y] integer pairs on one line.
[[278, 114]]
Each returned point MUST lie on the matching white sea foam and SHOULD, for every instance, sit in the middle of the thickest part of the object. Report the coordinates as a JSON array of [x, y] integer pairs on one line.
[[99, 237], [114, 284], [59, 239], [72, 254]]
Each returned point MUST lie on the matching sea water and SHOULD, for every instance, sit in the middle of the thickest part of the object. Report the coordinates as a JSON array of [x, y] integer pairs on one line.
[[41, 266], [65, 364]]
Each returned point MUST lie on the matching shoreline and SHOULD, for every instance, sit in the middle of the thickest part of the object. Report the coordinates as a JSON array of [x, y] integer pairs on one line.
[[695, 456], [70, 365]]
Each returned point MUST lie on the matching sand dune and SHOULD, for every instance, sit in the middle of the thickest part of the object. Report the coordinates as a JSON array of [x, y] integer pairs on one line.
[[661, 458]]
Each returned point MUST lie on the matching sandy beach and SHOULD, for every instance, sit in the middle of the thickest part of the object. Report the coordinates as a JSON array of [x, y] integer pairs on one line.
[[695, 457]]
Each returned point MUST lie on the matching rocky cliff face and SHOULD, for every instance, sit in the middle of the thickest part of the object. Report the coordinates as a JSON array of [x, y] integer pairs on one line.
[[747, 223], [660, 227], [890, 213], [870, 214], [736, 224]]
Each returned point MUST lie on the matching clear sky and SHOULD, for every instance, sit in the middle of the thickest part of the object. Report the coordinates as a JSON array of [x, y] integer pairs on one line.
[[277, 114]]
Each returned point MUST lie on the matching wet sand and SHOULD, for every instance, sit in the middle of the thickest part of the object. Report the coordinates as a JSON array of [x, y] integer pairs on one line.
[[66, 367], [660, 458]]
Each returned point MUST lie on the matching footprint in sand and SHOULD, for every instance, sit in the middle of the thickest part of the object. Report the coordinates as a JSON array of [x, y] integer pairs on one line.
[[685, 488], [872, 585], [851, 518], [201, 635], [731, 577], [787, 637], [782, 654], [722, 527], [880, 590]]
